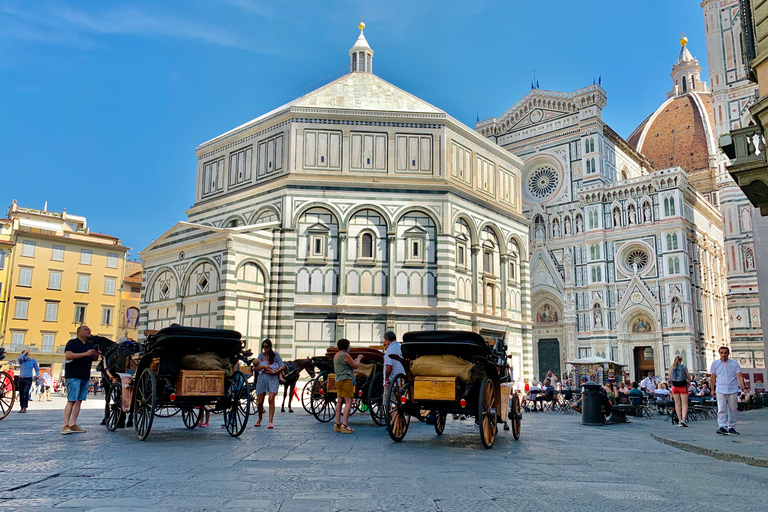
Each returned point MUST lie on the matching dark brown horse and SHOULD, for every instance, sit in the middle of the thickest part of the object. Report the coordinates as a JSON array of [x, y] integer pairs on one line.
[[291, 376]]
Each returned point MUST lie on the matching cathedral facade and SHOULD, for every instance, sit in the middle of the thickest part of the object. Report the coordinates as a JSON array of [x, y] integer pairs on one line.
[[353, 210], [626, 259]]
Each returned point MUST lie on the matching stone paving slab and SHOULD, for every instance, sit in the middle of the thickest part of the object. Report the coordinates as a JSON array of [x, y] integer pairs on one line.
[[751, 447], [303, 466]]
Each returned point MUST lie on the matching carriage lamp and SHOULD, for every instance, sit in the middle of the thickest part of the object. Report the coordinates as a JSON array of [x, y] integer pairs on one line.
[[173, 397], [402, 400], [463, 402], [360, 393]]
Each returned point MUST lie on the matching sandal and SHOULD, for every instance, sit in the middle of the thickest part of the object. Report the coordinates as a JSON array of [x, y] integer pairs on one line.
[[337, 427], [345, 429]]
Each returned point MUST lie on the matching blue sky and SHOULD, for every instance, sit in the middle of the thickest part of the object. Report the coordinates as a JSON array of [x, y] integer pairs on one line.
[[103, 103]]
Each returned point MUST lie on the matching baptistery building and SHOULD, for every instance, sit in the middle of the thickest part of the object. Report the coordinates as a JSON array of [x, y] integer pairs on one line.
[[355, 209], [626, 256]]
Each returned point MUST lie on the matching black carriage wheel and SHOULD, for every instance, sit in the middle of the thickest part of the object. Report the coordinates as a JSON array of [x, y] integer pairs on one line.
[[191, 416], [144, 403], [515, 416], [440, 424], [7, 394], [253, 401], [323, 403], [486, 412], [167, 411], [114, 406], [306, 396], [376, 398], [237, 411], [398, 398], [317, 392]]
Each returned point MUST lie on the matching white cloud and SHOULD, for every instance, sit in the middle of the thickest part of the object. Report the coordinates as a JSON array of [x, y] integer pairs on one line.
[[74, 27]]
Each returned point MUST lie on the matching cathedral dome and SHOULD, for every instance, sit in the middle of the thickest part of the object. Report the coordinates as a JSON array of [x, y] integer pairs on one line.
[[680, 131]]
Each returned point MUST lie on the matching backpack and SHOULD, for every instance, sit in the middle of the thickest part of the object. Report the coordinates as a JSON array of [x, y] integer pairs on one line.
[[678, 375]]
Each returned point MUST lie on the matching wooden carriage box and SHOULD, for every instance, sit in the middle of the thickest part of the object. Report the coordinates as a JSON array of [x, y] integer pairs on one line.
[[436, 388], [200, 383], [330, 386], [506, 393]]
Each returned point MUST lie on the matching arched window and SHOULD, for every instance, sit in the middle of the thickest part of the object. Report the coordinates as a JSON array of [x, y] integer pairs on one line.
[[672, 241], [366, 245], [673, 265], [592, 149], [354, 62], [685, 84], [666, 207], [671, 205], [589, 167], [594, 169]]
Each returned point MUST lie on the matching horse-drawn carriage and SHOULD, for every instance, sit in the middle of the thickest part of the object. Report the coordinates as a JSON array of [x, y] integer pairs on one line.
[[187, 368], [321, 395], [7, 390], [452, 372]]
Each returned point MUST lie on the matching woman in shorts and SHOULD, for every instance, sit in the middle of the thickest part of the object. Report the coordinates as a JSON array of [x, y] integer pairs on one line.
[[344, 367], [269, 365], [678, 376]]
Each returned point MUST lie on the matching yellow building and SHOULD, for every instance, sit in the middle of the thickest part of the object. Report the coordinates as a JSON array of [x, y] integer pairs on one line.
[[6, 248], [61, 276], [130, 298]]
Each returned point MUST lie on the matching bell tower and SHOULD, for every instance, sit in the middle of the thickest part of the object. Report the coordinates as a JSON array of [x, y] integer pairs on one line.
[[361, 54]]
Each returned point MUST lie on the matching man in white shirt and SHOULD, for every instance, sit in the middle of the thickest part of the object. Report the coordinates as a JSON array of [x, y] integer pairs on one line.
[[726, 375], [392, 367], [648, 384]]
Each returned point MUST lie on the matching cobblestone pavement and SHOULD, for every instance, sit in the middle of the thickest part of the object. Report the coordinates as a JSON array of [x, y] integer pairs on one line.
[[302, 466]]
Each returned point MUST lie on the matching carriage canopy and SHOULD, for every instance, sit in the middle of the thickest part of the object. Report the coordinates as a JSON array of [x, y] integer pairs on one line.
[[464, 344], [180, 341]]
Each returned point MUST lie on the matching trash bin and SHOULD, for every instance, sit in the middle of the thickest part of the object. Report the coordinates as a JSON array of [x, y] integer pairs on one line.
[[591, 405]]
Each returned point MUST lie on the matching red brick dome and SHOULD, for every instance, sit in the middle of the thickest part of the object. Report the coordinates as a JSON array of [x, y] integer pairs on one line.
[[679, 133]]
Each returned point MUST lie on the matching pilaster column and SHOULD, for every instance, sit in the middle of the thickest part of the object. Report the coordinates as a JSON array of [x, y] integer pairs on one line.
[[503, 260], [391, 256], [475, 250], [342, 263]]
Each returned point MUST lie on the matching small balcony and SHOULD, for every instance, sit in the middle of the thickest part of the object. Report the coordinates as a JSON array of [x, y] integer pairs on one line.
[[749, 167]]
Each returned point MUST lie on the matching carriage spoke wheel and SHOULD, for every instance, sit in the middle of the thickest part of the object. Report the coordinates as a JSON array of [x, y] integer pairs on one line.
[[316, 394], [398, 398], [323, 405], [7, 394], [515, 416], [306, 396], [191, 416], [144, 403], [166, 411], [114, 406], [237, 411], [376, 399], [440, 424], [486, 414]]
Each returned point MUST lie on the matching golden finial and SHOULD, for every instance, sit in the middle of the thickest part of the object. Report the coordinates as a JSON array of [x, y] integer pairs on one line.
[[361, 26], [683, 39]]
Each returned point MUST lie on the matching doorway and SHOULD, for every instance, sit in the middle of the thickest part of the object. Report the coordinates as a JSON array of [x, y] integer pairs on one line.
[[549, 357], [644, 362]]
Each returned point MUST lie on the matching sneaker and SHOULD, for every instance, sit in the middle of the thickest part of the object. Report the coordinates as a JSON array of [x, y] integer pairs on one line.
[[683, 423], [65, 430], [76, 430], [722, 431], [733, 431]]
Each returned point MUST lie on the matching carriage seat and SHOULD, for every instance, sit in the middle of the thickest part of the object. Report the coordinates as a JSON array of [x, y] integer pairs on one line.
[[206, 361], [365, 370], [445, 365]]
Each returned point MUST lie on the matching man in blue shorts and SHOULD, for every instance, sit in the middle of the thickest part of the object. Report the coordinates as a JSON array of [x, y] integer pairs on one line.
[[80, 353]]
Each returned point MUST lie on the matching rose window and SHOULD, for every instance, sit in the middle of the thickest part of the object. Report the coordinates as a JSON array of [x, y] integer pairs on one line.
[[637, 257], [543, 181]]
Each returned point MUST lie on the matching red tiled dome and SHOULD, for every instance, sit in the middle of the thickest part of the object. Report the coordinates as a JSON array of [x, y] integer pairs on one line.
[[679, 133]]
